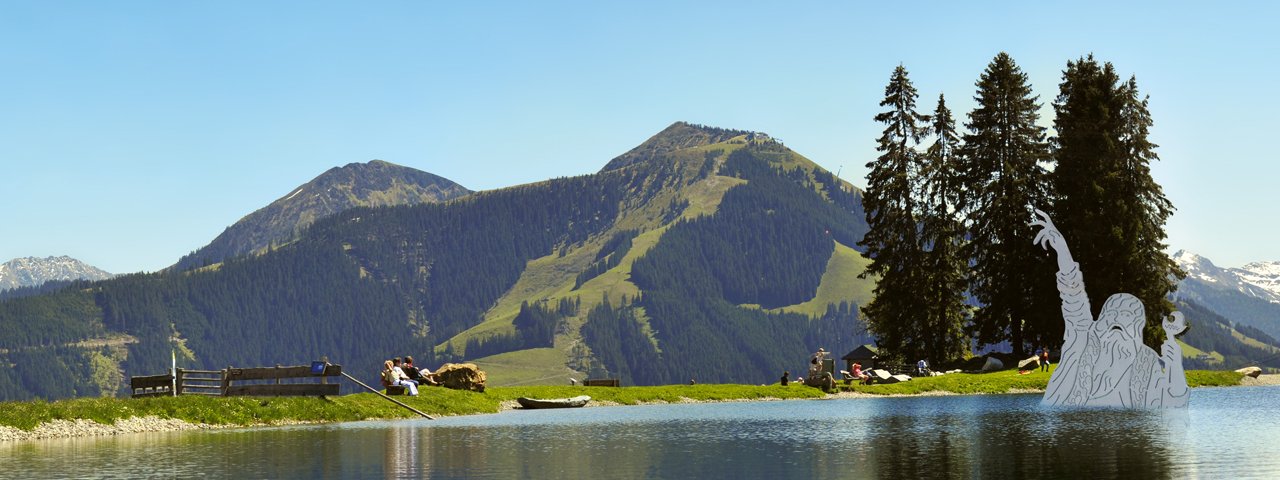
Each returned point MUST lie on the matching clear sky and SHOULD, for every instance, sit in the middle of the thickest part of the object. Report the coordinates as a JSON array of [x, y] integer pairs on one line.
[[132, 133]]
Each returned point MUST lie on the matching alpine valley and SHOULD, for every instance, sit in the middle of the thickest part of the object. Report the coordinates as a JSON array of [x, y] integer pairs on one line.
[[704, 253]]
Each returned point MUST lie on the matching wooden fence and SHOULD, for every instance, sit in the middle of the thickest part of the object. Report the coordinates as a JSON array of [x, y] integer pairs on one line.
[[230, 381]]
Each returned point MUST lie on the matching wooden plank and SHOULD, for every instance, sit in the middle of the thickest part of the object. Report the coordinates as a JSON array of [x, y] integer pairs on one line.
[[200, 372], [285, 390], [151, 381], [273, 373], [201, 382]]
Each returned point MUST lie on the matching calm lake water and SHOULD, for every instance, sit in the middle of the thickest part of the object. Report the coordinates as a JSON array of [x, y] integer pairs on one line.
[[1226, 433]]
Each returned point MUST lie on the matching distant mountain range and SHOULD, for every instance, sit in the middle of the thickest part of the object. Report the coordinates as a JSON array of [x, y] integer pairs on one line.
[[373, 184], [33, 271], [1249, 295]]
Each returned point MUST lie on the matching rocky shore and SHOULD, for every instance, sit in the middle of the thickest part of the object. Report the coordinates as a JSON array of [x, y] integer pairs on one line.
[[89, 428]]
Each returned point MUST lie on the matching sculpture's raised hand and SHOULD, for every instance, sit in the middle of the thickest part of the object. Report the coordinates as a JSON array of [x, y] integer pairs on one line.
[[1049, 236]]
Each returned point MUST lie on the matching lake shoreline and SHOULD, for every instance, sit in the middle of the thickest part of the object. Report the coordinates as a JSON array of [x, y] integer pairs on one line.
[[83, 428]]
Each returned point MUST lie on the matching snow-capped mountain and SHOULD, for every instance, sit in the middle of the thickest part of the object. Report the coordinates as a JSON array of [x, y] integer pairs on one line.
[[1258, 279], [32, 271], [1248, 295], [1264, 275]]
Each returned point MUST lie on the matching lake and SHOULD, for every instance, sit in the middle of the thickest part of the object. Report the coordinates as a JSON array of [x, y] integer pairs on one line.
[[1225, 433]]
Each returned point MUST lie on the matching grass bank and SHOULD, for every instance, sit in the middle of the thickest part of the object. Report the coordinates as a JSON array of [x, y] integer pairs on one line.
[[247, 411], [1010, 381]]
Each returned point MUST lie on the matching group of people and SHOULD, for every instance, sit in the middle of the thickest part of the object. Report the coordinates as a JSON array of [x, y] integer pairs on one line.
[[402, 373]]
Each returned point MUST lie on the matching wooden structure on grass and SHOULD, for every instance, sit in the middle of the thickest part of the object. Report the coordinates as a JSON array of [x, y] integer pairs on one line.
[[235, 382], [866, 355]]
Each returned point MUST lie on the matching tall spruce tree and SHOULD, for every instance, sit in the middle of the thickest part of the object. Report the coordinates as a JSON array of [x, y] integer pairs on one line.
[[943, 302], [1106, 203], [1003, 158], [893, 242]]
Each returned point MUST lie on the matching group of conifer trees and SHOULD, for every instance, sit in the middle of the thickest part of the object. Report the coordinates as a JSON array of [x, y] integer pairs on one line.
[[949, 212]]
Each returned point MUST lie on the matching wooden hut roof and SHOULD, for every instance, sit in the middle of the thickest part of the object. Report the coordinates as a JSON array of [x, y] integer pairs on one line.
[[863, 352]]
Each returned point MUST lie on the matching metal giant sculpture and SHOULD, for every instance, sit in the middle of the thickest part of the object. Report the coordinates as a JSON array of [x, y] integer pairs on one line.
[[1104, 362]]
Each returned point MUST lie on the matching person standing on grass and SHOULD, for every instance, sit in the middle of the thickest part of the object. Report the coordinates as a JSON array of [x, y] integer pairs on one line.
[[1044, 359]]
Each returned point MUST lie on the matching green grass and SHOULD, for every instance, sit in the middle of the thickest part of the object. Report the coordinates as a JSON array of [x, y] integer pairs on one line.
[[961, 383], [839, 283], [1189, 351], [245, 411], [1010, 381], [545, 366]]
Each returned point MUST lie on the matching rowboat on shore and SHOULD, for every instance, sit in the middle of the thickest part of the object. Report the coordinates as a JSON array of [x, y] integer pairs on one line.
[[553, 402]]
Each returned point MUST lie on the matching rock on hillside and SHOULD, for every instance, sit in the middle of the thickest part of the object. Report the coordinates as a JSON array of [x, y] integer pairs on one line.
[[33, 271], [373, 184]]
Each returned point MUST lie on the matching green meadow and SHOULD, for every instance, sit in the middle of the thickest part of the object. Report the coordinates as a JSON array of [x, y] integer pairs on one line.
[[249, 411]]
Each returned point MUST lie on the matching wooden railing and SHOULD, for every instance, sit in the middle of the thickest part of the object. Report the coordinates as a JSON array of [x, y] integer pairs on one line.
[[231, 381]]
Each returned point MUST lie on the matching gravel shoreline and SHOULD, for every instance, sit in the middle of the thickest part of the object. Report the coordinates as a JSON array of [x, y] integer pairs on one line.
[[89, 428]]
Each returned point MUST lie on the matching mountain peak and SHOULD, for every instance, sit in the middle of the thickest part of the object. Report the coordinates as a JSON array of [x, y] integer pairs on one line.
[[1258, 279], [376, 183], [33, 271], [677, 136]]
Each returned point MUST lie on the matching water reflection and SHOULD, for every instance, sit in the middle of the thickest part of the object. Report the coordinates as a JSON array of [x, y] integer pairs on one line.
[[1227, 433]]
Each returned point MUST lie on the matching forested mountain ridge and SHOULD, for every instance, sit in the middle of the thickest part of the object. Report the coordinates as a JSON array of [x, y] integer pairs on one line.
[[1217, 343], [373, 184], [1241, 295], [711, 260]]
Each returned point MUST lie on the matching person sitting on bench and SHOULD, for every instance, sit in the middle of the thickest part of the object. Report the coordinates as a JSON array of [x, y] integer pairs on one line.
[[856, 374], [417, 375], [391, 377]]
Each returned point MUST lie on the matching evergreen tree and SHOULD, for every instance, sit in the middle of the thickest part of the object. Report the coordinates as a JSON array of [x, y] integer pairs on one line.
[[1003, 155], [1107, 205], [893, 242], [943, 305]]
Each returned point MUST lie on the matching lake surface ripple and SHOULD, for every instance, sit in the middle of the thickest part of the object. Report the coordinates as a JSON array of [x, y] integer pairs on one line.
[[1226, 433]]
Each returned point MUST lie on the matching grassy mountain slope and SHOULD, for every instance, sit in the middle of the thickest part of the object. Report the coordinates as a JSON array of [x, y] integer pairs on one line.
[[373, 184], [703, 198], [840, 283], [1216, 343], [637, 272]]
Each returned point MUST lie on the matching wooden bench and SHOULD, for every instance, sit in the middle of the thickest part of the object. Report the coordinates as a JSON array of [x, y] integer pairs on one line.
[[152, 386], [601, 382], [281, 389], [262, 382]]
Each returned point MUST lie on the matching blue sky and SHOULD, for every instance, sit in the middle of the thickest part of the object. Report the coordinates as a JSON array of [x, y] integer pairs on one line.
[[132, 133]]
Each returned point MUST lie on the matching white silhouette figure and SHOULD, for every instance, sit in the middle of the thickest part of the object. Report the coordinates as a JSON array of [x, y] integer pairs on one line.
[[1104, 362]]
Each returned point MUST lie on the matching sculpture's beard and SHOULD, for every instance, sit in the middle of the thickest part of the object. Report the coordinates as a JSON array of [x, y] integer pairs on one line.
[[1119, 352]]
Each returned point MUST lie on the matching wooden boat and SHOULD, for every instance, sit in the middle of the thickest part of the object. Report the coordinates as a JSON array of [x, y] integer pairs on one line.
[[574, 402]]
